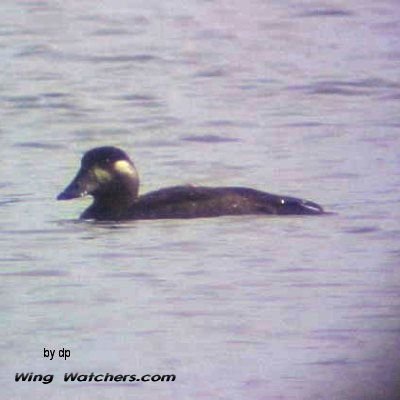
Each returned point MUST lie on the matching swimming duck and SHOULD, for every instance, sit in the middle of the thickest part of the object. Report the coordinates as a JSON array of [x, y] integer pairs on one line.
[[108, 174]]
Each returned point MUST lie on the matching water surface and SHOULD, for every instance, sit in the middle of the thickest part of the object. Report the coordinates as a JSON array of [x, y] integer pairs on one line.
[[292, 97]]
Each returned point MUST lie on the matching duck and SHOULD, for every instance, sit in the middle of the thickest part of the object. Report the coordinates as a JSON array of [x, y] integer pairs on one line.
[[110, 177]]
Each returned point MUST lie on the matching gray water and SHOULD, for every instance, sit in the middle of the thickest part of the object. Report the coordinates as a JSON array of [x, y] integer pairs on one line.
[[291, 97]]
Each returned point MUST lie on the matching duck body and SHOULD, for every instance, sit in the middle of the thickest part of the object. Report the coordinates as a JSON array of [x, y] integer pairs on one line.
[[110, 177]]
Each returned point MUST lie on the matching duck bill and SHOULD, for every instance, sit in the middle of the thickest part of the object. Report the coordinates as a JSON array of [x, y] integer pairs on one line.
[[79, 187]]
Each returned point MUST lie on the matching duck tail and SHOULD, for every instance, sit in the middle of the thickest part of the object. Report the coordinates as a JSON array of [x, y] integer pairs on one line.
[[295, 206], [311, 208]]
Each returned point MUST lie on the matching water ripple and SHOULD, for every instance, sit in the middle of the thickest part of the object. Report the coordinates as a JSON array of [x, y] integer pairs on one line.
[[44, 101], [364, 87], [362, 230], [139, 58], [39, 145], [36, 272], [211, 73], [326, 12], [209, 139]]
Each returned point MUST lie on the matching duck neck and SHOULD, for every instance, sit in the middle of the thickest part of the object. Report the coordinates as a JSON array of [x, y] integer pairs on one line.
[[114, 203]]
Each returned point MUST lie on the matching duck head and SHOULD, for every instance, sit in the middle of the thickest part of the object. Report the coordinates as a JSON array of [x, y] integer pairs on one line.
[[107, 174]]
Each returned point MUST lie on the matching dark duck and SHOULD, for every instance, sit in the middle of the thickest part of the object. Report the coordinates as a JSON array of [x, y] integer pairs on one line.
[[108, 174]]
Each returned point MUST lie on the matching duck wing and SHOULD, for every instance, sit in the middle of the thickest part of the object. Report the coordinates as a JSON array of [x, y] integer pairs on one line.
[[201, 201]]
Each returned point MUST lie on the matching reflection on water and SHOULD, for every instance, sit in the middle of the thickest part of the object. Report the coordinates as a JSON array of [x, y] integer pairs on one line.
[[292, 98]]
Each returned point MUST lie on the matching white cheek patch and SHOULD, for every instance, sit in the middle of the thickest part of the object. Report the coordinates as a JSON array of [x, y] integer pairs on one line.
[[101, 175], [124, 167]]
